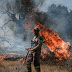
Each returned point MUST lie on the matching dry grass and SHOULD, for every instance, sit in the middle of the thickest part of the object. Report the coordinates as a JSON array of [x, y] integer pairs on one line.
[[15, 66]]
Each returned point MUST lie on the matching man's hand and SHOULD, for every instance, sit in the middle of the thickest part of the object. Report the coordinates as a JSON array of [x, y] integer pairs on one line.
[[27, 48]]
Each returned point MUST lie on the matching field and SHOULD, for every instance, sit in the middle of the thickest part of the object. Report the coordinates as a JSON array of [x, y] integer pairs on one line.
[[15, 66]]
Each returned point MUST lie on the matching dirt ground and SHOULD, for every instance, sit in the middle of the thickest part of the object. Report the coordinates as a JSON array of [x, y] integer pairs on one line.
[[15, 66]]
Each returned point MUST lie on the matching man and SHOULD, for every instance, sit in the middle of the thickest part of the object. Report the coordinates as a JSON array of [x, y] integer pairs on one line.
[[35, 51]]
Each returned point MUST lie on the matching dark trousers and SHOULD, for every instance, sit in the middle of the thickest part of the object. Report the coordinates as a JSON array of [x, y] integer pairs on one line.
[[35, 57]]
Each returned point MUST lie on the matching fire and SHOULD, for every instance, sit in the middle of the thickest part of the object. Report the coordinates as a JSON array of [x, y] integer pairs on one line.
[[1, 58], [27, 25], [22, 59], [54, 42], [44, 53]]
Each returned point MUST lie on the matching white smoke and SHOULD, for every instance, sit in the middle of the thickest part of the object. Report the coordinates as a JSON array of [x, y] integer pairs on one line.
[[8, 41]]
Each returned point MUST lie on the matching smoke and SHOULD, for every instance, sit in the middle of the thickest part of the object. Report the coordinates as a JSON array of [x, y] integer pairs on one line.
[[57, 18], [14, 14], [44, 6]]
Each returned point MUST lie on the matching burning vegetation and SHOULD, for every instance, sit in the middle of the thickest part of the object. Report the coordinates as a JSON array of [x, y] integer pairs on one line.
[[56, 45], [59, 50], [25, 9]]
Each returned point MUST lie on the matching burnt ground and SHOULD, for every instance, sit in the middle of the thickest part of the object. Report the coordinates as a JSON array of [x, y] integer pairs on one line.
[[49, 64]]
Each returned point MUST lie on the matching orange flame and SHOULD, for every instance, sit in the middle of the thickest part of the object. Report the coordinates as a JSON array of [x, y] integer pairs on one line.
[[27, 25], [44, 53], [1, 58], [54, 42]]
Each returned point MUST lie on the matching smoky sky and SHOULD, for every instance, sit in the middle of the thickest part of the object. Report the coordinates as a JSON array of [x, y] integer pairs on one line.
[[47, 3], [14, 14]]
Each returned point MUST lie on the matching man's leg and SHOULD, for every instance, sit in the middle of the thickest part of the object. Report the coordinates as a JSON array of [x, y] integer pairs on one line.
[[29, 60], [37, 65], [37, 62]]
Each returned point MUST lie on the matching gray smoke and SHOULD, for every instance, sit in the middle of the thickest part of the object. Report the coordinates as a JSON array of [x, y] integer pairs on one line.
[[14, 14], [57, 18]]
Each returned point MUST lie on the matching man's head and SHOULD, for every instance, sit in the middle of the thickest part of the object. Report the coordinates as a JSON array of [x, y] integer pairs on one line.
[[36, 30]]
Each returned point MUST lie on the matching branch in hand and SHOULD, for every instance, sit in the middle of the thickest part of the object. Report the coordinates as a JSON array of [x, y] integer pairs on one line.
[[27, 48]]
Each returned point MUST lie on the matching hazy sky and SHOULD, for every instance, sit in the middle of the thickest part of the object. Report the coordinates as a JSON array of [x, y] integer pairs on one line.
[[47, 3]]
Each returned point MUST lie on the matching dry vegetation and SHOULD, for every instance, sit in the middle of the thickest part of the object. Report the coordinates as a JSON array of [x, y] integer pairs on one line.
[[15, 66]]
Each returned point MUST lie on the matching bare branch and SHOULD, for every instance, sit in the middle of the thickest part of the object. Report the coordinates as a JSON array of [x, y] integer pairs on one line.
[[2, 14], [5, 24]]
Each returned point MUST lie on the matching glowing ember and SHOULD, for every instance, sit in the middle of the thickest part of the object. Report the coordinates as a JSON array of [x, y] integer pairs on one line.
[[1, 58], [44, 53], [22, 59], [27, 25], [54, 42]]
